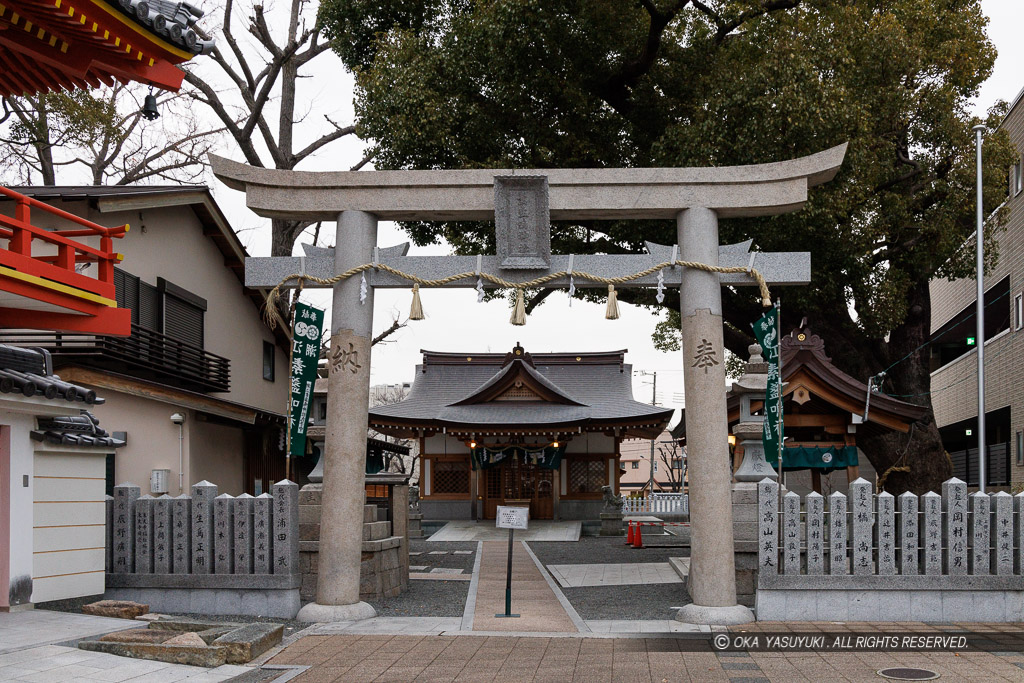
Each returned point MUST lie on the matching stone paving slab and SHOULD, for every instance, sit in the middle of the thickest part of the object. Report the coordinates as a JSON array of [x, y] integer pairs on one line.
[[540, 530], [60, 664], [28, 628], [580, 575]]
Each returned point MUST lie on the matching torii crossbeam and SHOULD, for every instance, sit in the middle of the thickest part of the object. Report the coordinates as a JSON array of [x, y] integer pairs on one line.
[[522, 202]]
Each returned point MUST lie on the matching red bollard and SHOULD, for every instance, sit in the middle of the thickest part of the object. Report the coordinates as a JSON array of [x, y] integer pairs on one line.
[[629, 533], [638, 541]]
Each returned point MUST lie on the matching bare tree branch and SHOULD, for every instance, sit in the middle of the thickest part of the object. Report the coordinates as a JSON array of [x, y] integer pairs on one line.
[[395, 326]]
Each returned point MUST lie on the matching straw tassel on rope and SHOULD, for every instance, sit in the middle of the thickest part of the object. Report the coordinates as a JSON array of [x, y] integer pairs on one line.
[[416, 310], [519, 310], [612, 312]]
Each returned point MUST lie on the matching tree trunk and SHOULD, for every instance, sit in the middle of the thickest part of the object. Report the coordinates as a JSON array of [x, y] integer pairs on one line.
[[44, 148], [921, 449]]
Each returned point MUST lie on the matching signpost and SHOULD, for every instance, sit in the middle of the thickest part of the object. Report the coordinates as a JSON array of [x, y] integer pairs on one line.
[[305, 354], [510, 518]]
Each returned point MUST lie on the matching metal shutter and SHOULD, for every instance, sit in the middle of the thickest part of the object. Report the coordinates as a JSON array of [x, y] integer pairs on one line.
[[126, 291], [183, 321], [149, 307]]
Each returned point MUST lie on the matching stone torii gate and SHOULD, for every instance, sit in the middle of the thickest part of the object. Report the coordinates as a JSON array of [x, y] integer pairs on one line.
[[522, 202]]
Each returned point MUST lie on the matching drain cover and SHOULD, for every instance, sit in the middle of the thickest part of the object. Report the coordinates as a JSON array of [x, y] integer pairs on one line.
[[908, 674]]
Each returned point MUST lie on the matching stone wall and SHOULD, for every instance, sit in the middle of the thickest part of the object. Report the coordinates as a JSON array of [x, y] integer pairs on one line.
[[384, 571], [206, 553], [933, 558]]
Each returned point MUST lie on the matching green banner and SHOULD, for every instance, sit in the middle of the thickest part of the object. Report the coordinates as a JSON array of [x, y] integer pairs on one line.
[[823, 458], [767, 332], [306, 329]]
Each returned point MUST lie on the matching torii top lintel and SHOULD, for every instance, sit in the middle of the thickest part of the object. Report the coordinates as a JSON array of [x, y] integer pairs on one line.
[[580, 194]]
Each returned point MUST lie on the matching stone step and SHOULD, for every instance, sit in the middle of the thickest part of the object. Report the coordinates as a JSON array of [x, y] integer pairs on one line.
[[205, 656], [382, 544], [250, 641], [681, 566], [374, 531]]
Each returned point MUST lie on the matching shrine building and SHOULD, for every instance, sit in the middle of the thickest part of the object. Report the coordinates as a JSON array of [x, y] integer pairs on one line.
[[518, 428]]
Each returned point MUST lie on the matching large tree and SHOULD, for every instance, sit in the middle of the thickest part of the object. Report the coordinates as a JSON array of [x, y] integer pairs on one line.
[[457, 84]]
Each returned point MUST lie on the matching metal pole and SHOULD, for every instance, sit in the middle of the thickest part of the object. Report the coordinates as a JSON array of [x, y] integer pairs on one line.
[[980, 334], [654, 402], [508, 575]]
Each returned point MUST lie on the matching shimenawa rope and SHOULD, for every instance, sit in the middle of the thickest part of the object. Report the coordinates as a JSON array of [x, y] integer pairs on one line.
[[518, 317]]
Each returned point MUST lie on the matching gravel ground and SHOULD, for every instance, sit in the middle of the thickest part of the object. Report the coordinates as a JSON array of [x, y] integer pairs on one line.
[[430, 598], [652, 601], [426, 599], [601, 550], [449, 560]]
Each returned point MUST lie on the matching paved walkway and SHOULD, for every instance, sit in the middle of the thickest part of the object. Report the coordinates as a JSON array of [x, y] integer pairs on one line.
[[578, 575], [540, 530], [533, 598], [664, 657], [28, 652]]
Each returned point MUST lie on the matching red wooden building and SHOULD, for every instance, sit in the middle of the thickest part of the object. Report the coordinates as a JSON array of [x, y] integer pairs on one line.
[[48, 45]]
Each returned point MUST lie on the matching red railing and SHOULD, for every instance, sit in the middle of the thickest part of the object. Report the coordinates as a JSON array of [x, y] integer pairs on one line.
[[59, 267]]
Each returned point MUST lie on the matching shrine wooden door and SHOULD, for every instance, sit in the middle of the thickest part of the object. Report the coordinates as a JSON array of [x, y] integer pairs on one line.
[[517, 483]]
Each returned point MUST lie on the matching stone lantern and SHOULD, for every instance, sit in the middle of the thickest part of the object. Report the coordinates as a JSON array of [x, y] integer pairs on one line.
[[748, 431]]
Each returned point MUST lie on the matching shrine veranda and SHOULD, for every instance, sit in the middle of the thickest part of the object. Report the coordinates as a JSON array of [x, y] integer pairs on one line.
[[522, 203]]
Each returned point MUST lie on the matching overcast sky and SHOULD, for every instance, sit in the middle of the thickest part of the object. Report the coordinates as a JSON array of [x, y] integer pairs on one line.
[[455, 322]]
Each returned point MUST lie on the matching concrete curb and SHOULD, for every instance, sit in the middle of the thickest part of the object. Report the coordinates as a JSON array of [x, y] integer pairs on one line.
[[470, 610]]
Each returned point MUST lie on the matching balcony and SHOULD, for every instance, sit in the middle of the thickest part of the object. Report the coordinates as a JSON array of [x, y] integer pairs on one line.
[[145, 355]]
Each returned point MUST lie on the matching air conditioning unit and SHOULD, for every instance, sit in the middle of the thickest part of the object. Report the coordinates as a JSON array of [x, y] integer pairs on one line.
[[158, 481]]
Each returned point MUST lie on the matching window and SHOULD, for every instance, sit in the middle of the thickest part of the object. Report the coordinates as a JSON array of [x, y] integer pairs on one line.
[[1020, 448], [677, 463], [268, 361], [586, 476], [1018, 311], [449, 476], [322, 411], [1016, 179], [165, 308], [959, 335], [634, 465]]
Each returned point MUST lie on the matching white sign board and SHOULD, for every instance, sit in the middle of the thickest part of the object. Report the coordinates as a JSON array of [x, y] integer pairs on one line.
[[512, 518]]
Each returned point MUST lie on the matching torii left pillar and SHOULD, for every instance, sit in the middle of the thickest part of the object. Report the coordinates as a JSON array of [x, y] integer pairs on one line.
[[348, 395]]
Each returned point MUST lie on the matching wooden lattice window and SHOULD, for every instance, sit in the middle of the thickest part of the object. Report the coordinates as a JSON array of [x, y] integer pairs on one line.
[[586, 476], [450, 476]]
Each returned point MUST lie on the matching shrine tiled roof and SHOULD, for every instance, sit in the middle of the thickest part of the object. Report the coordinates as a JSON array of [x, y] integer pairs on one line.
[[564, 390], [27, 372], [75, 430]]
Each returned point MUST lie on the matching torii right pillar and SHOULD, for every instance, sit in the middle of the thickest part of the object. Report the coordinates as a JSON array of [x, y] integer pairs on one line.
[[712, 579]]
